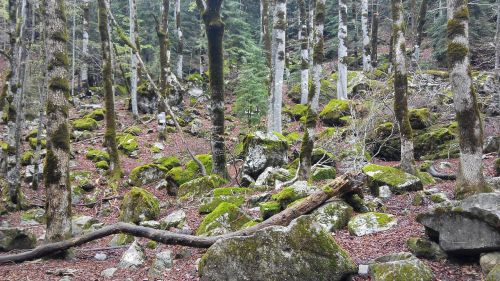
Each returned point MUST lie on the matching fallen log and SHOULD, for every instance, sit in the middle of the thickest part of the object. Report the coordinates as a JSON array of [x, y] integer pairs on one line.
[[338, 187], [432, 170]]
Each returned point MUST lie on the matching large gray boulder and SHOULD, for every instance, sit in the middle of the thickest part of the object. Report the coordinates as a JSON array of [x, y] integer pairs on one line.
[[16, 238], [400, 266], [302, 251], [471, 226], [262, 151]]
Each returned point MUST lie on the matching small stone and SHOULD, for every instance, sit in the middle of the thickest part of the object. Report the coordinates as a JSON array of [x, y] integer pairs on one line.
[[363, 269], [183, 253], [489, 261], [424, 248], [163, 261], [371, 222], [151, 224], [176, 219], [108, 272], [100, 256], [384, 191], [438, 197], [133, 257], [445, 165]]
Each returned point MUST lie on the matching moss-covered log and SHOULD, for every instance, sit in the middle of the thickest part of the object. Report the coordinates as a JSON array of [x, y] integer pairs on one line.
[[470, 177], [109, 97], [401, 87]]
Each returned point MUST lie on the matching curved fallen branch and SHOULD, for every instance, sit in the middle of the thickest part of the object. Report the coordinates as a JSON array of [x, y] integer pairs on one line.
[[338, 187], [432, 170]]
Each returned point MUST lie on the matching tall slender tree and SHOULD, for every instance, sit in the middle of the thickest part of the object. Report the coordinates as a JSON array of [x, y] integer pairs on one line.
[[470, 177], [214, 28], [162, 33], [342, 52], [420, 30], [497, 44], [278, 67], [56, 169], [109, 99], [133, 60], [374, 36], [180, 39], [313, 98], [304, 53], [84, 68], [367, 64], [401, 87]]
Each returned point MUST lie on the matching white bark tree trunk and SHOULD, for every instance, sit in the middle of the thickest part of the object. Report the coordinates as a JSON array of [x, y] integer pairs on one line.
[[73, 53], [84, 76], [304, 53], [133, 59], [278, 57], [180, 38], [342, 52], [497, 44], [470, 177], [367, 64]]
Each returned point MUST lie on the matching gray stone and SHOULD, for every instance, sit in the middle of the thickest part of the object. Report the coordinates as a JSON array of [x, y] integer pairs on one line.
[[494, 274], [489, 261], [271, 175], [439, 197], [16, 239], [176, 219], [371, 222], [150, 224], [425, 248], [363, 269], [196, 127], [471, 226], [400, 266], [82, 224], [398, 181], [384, 191], [108, 272], [133, 257], [492, 144], [333, 215], [163, 261], [100, 256], [302, 251]]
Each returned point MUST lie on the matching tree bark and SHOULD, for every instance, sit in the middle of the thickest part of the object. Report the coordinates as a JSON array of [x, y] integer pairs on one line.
[[56, 169], [133, 59], [342, 52], [401, 88], [470, 177], [367, 64], [313, 99], [374, 37], [84, 75], [109, 99], [214, 28], [265, 31], [340, 186], [304, 53], [73, 54], [497, 44], [274, 123], [162, 33], [420, 30], [180, 38]]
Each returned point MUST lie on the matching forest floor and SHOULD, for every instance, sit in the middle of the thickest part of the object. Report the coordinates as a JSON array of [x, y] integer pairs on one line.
[[362, 249]]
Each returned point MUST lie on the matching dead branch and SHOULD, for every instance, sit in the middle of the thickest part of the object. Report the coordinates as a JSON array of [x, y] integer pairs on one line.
[[432, 170], [340, 186]]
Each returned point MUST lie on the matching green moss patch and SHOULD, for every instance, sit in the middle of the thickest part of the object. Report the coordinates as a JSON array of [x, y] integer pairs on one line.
[[211, 203], [200, 186], [139, 204], [398, 181], [269, 209], [85, 124], [127, 143], [97, 114], [225, 218], [96, 155], [147, 174], [168, 162], [333, 112]]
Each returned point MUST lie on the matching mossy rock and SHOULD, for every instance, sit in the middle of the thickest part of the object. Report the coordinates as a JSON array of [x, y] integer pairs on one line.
[[168, 162], [400, 267], [298, 190], [494, 274], [133, 130], [96, 155], [82, 180], [85, 124], [370, 222], [34, 215], [103, 165], [439, 197], [333, 112], [33, 143], [27, 157], [200, 186], [279, 251], [127, 143], [424, 248], [269, 209], [437, 142], [16, 239], [262, 151], [292, 166], [5, 146], [398, 181], [437, 73], [121, 240], [323, 157], [323, 173], [333, 215], [96, 114], [205, 159], [421, 118], [225, 218], [139, 204], [146, 174], [209, 204], [178, 176], [230, 191], [426, 178], [297, 111]]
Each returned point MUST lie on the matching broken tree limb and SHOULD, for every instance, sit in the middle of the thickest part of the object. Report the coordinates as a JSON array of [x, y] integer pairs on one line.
[[340, 186], [432, 170]]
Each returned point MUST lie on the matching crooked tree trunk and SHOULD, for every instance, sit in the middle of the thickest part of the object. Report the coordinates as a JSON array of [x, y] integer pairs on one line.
[[367, 64], [470, 177], [84, 74], [180, 38], [401, 87], [339, 187], [162, 33], [313, 99], [214, 28], [342, 52], [374, 37], [56, 170], [109, 99], [278, 67], [304, 53], [420, 30], [133, 59]]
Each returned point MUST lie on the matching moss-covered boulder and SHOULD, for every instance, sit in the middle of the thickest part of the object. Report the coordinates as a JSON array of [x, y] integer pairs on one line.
[[139, 205], [102, 165], [34, 142], [168, 162], [296, 191], [269, 209], [332, 113], [33, 216], [398, 181], [82, 180], [421, 118], [297, 111], [97, 114], [16, 239], [302, 251], [133, 130], [200, 186], [323, 173], [205, 159], [400, 267], [438, 141], [27, 157], [209, 204], [333, 215], [323, 157], [370, 222], [96, 155], [178, 176], [146, 174], [127, 143], [385, 142], [85, 124], [425, 248], [225, 218], [83, 224]]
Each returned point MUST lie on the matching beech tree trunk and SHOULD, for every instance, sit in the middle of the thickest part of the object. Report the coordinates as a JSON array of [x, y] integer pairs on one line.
[[162, 33], [374, 37], [313, 99], [497, 44], [133, 59], [420, 30], [470, 177], [367, 64], [214, 28], [278, 67], [180, 38], [56, 170], [109, 99], [401, 87], [84, 75], [342, 52], [304, 53]]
